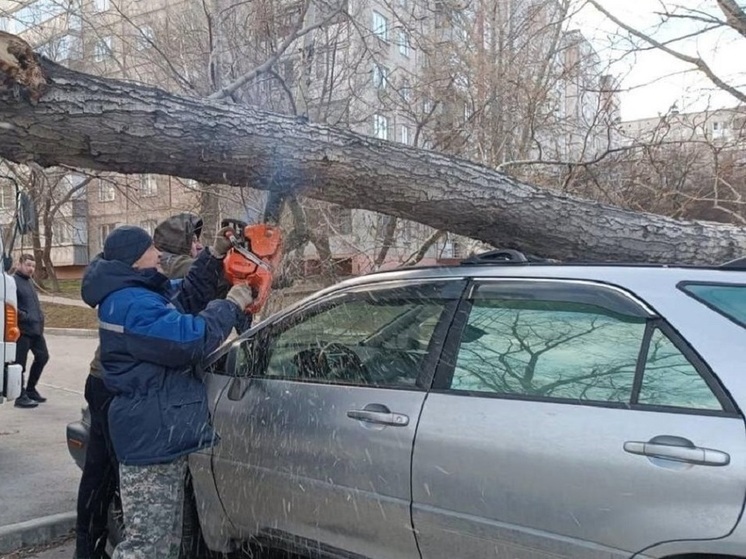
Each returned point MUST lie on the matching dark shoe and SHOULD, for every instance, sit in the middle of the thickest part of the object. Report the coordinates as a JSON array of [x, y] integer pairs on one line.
[[96, 555], [35, 396], [23, 401]]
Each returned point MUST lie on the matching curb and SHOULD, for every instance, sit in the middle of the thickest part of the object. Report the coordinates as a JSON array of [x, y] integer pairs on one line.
[[79, 332], [38, 531]]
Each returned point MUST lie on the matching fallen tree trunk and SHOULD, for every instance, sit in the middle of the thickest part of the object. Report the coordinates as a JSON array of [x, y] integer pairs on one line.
[[109, 125]]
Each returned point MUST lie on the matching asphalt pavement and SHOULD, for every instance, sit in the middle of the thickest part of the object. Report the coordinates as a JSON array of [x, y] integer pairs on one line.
[[37, 476]]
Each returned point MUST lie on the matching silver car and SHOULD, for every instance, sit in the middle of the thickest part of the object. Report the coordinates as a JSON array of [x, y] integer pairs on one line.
[[495, 409]]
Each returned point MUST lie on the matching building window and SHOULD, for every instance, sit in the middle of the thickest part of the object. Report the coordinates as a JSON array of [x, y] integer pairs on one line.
[[380, 76], [467, 111], [403, 43], [106, 191], [102, 49], [61, 233], [7, 196], [145, 37], [149, 225], [64, 47], [190, 184], [406, 90], [101, 5], [341, 220], [381, 127], [73, 182], [405, 134], [103, 232], [320, 65], [57, 49], [75, 22], [148, 186], [380, 26]]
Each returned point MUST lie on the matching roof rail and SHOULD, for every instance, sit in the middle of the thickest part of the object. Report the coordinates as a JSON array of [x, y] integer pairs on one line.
[[737, 264], [500, 256]]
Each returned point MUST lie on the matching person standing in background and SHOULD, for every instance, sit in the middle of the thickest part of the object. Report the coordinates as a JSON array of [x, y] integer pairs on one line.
[[178, 240], [31, 323]]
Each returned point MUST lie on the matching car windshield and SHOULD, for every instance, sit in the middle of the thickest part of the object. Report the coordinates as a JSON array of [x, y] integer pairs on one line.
[[727, 299]]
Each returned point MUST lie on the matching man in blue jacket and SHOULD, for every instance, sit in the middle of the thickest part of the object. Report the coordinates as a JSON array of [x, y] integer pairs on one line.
[[152, 332]]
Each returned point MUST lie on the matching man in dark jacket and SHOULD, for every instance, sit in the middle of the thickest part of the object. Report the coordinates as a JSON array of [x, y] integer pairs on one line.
[[152, 332], [31, 323], [178, 239]]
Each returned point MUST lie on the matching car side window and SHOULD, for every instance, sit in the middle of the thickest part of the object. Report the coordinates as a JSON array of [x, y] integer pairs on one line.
[[358, 340], [670, 379], [555, 344], [549, 349]]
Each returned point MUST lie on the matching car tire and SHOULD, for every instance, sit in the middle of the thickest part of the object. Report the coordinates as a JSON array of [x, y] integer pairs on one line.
[[193, 545]]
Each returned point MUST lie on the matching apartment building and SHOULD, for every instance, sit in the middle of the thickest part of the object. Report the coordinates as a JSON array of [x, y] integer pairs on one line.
[[378, 68], [719, 126]]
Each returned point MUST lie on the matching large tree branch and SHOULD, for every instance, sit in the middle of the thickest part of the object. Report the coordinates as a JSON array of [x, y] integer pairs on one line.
[[109, 125]]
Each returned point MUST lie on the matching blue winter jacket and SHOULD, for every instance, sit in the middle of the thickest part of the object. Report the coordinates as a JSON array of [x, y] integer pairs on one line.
[[152, 332]]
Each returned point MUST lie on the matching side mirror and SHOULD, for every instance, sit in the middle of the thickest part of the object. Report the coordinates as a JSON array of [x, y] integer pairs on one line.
[[25, 222], [26, 214], [239, 364], [239, 361]]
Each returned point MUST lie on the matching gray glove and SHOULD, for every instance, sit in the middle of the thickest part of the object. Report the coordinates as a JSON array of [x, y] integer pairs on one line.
[[241, 296], [222, 245]]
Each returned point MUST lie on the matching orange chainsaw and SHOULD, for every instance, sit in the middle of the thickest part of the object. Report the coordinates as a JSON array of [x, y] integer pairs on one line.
[[255, 254]]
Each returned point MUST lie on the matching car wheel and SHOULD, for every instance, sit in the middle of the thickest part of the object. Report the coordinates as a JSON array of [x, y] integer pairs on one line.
[[193, 545]]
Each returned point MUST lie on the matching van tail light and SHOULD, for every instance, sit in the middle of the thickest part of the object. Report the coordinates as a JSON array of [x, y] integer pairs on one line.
[[12, 331]]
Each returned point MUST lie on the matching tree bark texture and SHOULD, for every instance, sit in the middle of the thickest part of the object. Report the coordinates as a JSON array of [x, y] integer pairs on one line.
[[109, 125]]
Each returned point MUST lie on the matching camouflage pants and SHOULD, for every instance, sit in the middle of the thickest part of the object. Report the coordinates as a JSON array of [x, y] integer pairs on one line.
[[153, 503]]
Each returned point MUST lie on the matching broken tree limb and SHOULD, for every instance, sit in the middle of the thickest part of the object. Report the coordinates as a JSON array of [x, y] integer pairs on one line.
[[110, 125]]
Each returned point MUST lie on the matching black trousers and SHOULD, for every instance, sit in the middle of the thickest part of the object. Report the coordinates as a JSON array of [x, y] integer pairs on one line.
[[38, 347], [100, 478]]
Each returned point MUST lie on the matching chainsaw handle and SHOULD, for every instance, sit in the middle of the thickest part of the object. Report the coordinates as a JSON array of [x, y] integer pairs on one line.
[[235, 224]]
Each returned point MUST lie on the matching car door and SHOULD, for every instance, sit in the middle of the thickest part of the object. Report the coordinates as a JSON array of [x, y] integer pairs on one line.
[[316, 443], [576, 424]]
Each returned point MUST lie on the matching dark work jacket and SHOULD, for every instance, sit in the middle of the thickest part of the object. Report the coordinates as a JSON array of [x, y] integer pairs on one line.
[[30, 317], [152, 333]]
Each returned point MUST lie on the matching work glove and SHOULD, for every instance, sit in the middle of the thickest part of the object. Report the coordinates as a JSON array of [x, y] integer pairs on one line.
[[241, 296], [222, 245]]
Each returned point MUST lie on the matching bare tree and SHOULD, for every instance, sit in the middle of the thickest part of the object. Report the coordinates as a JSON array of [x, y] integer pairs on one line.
[[50, 191]]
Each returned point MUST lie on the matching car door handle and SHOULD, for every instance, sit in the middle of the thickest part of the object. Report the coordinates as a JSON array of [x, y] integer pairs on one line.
[[677, 449], [381, 415]]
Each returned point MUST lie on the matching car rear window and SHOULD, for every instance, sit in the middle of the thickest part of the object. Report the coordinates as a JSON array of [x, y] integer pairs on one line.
[[727, 299]]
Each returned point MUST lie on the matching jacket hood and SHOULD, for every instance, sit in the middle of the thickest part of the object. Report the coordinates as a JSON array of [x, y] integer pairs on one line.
[[103, 277], [175, 234]]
